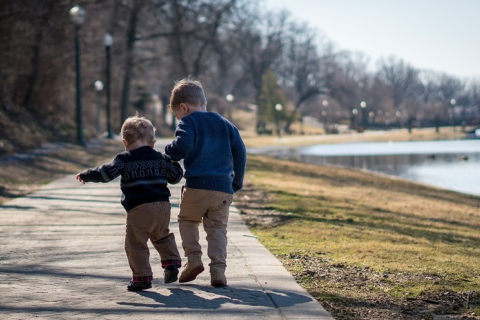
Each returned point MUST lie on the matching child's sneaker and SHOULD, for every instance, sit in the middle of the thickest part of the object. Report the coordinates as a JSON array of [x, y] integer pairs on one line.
[[139, 286], [192, 269], [217, 277], [170, 274]]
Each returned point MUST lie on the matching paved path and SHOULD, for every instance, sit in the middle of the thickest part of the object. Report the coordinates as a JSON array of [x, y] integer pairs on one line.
[[62, 257]]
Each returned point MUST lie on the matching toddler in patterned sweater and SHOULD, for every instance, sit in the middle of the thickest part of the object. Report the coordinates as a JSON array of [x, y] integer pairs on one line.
[[145, 174]]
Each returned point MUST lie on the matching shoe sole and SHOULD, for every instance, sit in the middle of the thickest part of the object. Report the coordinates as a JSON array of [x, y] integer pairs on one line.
[[193, 275], [139, 289], [218, 284]]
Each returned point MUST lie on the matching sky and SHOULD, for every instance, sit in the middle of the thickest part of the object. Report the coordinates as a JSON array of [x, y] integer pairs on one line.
[[439, 35]]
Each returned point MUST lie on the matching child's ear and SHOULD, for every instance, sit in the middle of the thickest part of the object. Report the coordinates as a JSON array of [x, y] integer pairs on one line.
[[184, 107], [125, 143], [152, 144]]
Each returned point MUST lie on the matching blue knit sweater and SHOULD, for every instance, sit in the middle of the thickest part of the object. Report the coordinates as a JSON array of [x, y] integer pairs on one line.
[[213, 151]]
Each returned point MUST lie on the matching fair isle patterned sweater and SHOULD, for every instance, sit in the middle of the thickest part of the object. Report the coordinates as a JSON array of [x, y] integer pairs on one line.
[[145, 174]]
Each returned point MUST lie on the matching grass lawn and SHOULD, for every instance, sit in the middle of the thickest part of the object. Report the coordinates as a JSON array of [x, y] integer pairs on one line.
[[367, 246]]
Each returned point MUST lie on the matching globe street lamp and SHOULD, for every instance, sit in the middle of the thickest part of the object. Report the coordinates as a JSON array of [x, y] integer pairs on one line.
[[325, 116], [398, 114], [99, 88], [230, 98], [77, 15], [278, 108], [363, 105], [352, 118], [108, 42], [453, 102]]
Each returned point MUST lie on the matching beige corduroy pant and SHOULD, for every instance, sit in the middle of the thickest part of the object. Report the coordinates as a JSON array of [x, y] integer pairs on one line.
[[144, 222], [212, 209]]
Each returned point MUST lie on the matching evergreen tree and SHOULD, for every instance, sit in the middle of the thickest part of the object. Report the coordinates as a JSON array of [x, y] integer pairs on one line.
[[270, 96]]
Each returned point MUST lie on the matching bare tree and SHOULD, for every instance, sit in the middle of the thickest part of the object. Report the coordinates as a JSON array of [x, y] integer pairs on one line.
[[402, 80], [474, 102], [435, 108], [192, 28], [301, 68], [259, 41], [400, 76], [133, 8], [452, 88], [349, 83]]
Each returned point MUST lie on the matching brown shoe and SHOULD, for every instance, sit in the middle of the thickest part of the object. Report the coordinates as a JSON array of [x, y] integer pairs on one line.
[[192, 269], [218, 278]]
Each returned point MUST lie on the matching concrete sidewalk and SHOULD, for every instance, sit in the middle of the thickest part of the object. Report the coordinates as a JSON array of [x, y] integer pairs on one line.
[[62, 257]]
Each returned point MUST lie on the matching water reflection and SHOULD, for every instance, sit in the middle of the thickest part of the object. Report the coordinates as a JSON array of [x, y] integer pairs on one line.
[[453, 165]]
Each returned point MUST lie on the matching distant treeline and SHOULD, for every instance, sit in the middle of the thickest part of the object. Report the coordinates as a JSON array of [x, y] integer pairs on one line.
[[260, 58]]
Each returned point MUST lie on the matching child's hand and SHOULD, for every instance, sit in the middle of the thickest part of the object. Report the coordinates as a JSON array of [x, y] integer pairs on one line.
[[79, 179]]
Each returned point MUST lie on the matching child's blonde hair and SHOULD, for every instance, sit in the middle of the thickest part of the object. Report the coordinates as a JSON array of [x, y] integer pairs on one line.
[[187, 90], [136, 127]]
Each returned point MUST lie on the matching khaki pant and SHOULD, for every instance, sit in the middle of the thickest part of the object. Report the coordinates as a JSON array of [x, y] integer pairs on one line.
[[211, 208], [149, 221]]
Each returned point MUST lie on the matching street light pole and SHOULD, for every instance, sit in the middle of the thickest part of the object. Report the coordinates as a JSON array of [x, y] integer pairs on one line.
[[453, 102], [108, 42], [325, 116], [99, 88], [230, 99], [363, 105], [77, 15], [278, 108], [352, 118]]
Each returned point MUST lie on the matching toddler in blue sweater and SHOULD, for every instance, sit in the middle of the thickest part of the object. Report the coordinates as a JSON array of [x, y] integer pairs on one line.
[[214, 158], [145, 173]]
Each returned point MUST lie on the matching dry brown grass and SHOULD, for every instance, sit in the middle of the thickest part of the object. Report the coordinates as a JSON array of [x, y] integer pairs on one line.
[[18, 178], [352, 238], [314, 135], [253, 140]]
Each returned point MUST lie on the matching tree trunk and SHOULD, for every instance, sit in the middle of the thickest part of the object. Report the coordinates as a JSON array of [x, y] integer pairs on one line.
[[35, 58], [437, 125], [410, 122], [127, 78]]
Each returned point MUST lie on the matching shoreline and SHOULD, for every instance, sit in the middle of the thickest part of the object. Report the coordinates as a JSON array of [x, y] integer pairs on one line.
[[365, 137], [252, 140]]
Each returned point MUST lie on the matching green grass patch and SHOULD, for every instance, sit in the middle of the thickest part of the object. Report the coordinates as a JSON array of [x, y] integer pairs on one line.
[[348, 235]]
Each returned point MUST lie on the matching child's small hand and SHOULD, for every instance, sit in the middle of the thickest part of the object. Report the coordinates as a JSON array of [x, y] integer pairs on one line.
[[79, 179]]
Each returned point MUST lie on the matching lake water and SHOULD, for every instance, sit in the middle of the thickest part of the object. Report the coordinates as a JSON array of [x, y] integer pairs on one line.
[[452, 164]]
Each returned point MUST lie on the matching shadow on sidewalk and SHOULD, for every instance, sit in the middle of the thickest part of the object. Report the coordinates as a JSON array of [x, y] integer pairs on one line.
[[216, 297]]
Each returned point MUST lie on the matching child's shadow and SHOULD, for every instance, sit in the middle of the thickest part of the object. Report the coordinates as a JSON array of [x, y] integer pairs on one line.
[[214, 298]]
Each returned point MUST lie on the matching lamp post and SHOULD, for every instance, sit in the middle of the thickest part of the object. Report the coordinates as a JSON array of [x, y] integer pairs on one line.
[[325, 116], [108, 42], [99, 88], [352, 118], [77, 15], [278, 108], [230, 98], [453, 102], [363, 105], [398, 114]]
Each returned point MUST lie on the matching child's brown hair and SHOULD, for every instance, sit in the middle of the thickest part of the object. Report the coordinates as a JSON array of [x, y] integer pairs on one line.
[[136, 127], [188, 90]]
